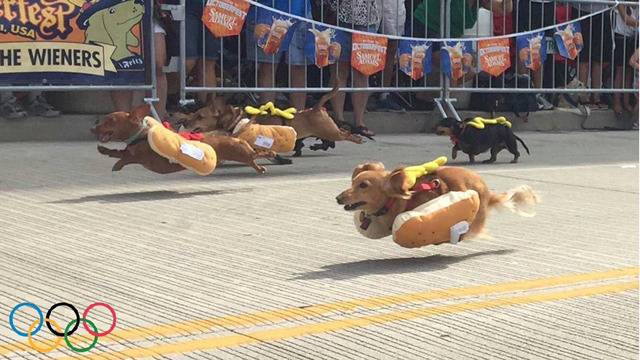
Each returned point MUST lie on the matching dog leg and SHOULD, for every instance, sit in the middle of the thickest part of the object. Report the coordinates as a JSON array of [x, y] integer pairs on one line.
[[279, 160], [494, 154], [259, 169], [298, 147], [454, 152], [512, 146], [119, 154], [472, 159], [121, 163]]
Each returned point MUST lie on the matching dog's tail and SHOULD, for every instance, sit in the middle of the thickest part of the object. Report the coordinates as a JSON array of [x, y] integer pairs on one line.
[[326, 97], [523, 144], [521, 200]]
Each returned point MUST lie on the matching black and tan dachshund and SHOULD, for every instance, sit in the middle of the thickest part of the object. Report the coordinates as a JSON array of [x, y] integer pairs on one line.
[[473, 141]]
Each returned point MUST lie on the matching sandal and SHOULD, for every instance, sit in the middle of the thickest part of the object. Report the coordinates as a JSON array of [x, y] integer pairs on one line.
[[364, 131]]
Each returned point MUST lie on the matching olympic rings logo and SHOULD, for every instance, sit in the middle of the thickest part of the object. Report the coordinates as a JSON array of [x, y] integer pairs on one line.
[[55, 328]]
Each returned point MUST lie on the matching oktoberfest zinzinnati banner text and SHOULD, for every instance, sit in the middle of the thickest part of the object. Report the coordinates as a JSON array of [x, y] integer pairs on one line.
[[74, 42], [368, 51]]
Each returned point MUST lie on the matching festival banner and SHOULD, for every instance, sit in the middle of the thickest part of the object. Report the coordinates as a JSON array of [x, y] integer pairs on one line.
[[531, 51], [457, 58], [273, 31], [569, 40], [368, 53], [414, 58], [494, 56], [324, 45], [74, 42], [225, 17]]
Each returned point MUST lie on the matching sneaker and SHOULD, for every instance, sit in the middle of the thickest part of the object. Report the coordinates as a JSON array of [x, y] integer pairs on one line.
[[634, 126], [543, 104], [40, 107], [11, 109], [388, 104]]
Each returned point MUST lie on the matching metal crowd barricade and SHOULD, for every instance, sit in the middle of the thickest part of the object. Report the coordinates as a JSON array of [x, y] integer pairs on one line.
[[239, 75], [148, 53]]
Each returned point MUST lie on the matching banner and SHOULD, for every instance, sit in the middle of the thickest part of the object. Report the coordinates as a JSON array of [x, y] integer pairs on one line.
[[457, 58], [324, 45], [73, 42], [273, 31], [225, 17], [368, 53], [569, 40], [531, 51], [414, 58], [494, 56]]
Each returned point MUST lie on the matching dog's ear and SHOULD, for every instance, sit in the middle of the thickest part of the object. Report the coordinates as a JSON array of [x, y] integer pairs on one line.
[[139, 113], [377, 166], [397, 184]]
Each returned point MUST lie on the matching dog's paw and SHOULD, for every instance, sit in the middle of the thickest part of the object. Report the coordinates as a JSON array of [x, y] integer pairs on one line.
[[117, 167], [489, 161], [297, 153], [103, 150]]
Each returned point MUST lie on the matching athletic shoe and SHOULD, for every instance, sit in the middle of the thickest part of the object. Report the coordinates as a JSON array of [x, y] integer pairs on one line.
[[11, 109], [543, 104], [390, 105], [40, 107]]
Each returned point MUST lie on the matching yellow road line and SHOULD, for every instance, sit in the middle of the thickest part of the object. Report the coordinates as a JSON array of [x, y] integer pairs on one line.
[[357, 322], [256, 318]]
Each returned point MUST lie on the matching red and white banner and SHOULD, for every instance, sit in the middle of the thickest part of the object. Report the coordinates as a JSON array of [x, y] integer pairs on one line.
[[225, 17], [368, 53]]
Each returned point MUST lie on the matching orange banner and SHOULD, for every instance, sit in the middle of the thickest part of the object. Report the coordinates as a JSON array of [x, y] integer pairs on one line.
[[494, 56], [225, 17], [368, 53]]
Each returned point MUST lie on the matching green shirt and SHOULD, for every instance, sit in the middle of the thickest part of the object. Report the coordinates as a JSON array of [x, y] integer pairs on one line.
[[459, 9]]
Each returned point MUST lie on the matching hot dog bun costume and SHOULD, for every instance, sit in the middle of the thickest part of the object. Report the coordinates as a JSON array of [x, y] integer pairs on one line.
[[444, 219], [193, 155], [276, 138]]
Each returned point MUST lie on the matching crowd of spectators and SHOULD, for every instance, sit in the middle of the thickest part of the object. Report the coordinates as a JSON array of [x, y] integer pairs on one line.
[[597, 66]]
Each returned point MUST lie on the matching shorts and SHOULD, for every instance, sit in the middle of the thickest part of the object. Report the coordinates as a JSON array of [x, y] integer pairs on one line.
[[535, 15], [394, 16], [624, 49], [345, 55], [197, 35], [294, 55], [597, 36]]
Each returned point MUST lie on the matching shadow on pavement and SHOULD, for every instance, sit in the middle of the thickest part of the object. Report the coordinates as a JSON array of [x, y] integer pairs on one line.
[[146, 196], [351, 270]]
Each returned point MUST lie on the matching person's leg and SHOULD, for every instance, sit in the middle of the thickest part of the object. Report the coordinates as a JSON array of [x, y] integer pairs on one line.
[[298, 99], [628, 84], [266, 80], [337, 102], [359, 99], [122, 100], [596, 80], [206, 77], [617, 97], [161, 77]]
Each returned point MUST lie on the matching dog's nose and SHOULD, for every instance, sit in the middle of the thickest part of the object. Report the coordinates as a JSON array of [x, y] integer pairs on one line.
[[339, 199]]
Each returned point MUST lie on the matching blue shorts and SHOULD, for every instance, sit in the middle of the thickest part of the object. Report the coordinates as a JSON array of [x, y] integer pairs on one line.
[[345, 55], [197, 35], [294, 55]]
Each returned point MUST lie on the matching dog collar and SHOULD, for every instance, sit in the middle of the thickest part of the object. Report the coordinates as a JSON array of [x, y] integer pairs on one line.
[[421, 187], [133, 138]]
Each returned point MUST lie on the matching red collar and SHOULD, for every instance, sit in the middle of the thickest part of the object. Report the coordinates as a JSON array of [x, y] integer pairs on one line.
[[186, 135], [421, 187]]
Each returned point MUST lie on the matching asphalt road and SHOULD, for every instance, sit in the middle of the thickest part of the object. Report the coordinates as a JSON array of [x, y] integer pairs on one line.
[[241, 265]]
